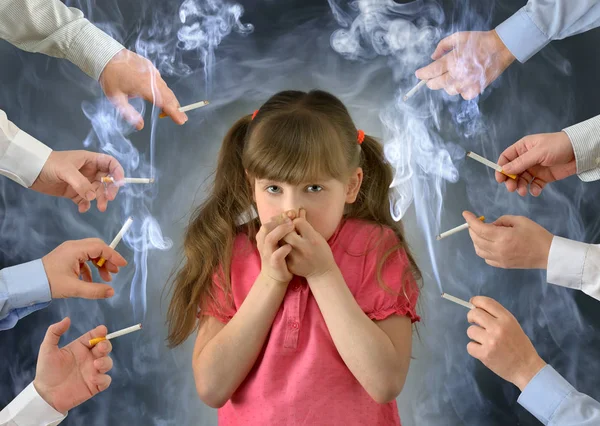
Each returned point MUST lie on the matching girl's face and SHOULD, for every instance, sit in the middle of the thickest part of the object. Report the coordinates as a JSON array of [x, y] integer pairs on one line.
[[323, 200]]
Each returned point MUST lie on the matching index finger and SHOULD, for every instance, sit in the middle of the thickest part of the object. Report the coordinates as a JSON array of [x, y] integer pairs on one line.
[[95, 248], [167, 100], [99, 331], [489, 305], [108, 164], [433, 70], [484, 230]]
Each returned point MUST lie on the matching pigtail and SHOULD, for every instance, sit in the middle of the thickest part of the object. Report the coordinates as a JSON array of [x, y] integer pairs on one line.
[[373, 203], [209, 237]]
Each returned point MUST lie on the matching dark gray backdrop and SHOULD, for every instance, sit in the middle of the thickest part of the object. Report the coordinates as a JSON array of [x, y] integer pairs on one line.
[[289, 46]]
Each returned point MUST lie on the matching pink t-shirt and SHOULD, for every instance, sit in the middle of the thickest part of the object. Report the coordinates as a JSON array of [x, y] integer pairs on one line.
[[299, 377]]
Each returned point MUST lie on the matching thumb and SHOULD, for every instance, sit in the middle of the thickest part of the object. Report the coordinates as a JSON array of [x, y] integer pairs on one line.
[[523, 162], [55, 331], [507, 221], [73, 177], [445, 45], [87, 290], [121, 102]]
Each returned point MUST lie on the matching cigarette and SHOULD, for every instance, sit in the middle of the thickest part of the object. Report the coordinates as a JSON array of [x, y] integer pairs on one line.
[[458, 301], [117, 239], [94, 342], [109, 179], [490, 164], [457, 229], [414, 90], [186, 108]]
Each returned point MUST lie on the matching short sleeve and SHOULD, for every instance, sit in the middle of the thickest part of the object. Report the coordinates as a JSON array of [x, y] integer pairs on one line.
[[399, 294], [219, 303]]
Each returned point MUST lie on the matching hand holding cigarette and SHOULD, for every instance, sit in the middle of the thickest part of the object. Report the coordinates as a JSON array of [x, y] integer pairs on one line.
[[538, 160], [74, 175], [499, 342], [67, 263], [68, 376], [128, 75], [465, 63], [510, 242]]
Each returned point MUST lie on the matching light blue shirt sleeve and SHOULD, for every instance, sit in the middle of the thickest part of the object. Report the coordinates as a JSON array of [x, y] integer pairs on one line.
[[23, 289], [540, 21], [550, 398]]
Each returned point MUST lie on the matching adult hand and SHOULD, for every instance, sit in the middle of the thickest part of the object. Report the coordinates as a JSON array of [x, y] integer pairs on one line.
[[511, 242], [71, 375], [66, 263], [272, 252], [538, 160], [466, 63], [310, 256], [76, 175], [128, 75], [498, 341]]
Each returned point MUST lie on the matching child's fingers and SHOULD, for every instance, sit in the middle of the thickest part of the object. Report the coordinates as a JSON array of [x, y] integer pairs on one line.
[[279, 255], [272, 239]]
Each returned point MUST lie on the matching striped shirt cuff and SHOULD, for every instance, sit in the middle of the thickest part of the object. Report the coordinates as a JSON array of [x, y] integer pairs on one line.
[[92, 49], [585, 138]]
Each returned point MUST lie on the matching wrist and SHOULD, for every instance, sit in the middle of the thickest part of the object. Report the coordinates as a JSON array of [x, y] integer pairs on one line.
[[545, 250], [46, 395], [326, 276], [528, 372], [504, 53]]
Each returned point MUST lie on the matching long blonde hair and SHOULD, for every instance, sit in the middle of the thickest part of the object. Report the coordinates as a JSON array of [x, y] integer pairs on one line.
[[294, 137]]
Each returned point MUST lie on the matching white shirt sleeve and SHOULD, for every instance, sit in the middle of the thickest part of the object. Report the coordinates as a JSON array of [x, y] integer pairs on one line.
[[51, 28], [540, 21], [585, 138], [575, 265], [30, 409], [22, 156]]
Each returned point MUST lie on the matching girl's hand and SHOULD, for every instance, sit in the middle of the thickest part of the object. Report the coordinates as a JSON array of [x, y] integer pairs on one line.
[[272, 253], [310, 254]]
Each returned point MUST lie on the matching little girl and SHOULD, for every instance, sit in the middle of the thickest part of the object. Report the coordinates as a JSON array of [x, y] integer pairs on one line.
[[305, 311]]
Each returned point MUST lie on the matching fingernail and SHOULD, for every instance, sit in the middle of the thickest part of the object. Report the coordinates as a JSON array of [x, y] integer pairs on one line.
[[110, 293], [90, 195]]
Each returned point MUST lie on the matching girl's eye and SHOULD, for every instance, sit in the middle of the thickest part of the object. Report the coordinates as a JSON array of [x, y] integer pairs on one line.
[[315, 188], [273, 189]]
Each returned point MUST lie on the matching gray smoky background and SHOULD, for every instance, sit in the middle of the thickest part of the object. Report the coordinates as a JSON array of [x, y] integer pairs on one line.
[[237, 54]]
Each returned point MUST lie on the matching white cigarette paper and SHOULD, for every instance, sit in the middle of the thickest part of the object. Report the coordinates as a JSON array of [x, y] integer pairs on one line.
[[414, 90], [121, 233], [457, 229], [124, 331], [458, 301], [193, 106], [489, 163], [108, 179]]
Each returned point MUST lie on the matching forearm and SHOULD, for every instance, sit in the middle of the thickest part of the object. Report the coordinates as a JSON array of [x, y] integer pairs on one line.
[[365, 348], [223, 364], [51, 28]]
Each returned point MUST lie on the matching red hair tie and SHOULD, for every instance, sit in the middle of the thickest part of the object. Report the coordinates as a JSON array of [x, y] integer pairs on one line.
[[254, 114], [361, 136]]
